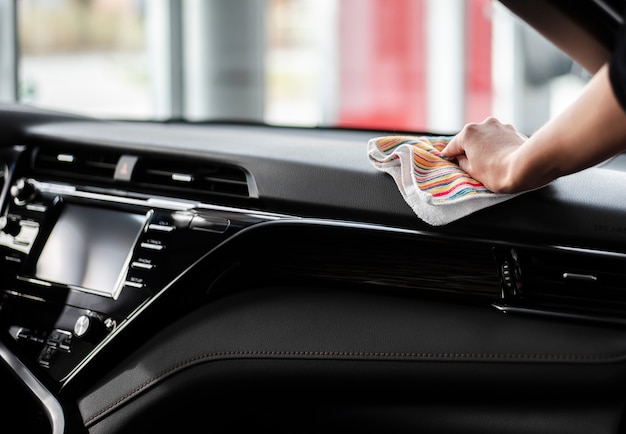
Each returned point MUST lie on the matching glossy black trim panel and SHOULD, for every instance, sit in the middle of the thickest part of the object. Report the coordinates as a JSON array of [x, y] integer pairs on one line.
[[53, 408]]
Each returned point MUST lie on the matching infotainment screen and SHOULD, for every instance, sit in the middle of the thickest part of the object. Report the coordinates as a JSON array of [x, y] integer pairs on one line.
[[89, 247]]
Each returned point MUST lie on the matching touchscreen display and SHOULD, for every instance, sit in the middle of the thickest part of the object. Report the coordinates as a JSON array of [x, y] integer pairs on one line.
[[89, 247]]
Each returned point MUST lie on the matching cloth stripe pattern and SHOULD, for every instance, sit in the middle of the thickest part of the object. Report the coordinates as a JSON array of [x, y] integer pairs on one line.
[[433, 172], [437, 189]]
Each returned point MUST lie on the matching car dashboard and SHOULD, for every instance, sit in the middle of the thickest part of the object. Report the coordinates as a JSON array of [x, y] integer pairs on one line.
[[236, 275]]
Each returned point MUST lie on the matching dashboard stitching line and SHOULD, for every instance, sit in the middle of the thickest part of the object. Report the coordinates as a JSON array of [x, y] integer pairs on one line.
[[383, 355]]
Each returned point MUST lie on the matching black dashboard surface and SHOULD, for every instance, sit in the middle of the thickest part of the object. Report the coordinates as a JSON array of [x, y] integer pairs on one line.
[[326, 173], [319, 225]]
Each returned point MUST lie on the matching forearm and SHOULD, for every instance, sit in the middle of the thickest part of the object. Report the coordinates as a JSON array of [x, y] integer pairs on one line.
[[588, 132]]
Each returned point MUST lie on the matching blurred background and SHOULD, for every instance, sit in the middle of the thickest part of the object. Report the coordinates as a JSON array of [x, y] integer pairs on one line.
[[402, 65]]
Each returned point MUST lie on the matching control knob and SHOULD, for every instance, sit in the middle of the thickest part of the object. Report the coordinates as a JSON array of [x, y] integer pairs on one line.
[[91, 327], [23, 191], [10, 225]]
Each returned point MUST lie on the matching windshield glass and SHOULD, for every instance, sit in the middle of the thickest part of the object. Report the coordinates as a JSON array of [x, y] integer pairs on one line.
[[413, 65]]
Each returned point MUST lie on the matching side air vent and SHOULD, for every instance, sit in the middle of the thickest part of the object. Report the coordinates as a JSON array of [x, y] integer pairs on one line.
[[192, 176], [85, 164], [577, 281]]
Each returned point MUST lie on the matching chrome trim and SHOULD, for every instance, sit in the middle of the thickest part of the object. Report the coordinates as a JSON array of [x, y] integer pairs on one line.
[[151, 202], [26, 296], [581, 277], [609, 10], [34, 281], [51, 188], [53, 408], [586, 251], [559, 315]]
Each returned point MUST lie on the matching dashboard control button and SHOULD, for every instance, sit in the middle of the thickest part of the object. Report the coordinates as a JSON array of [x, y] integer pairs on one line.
[[10, 225], [142, 265], [23, 333], [134, 284], [110, 324], [152, 246], [21, 242], [46, 355], [208, 223], [23, 191], [37, 207], [160, 228], [59, 339]]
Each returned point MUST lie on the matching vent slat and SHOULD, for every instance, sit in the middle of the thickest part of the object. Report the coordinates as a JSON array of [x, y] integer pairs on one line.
[[225, 181]]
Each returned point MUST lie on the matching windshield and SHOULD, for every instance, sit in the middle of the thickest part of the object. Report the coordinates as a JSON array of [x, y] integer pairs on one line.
[[413, 65]]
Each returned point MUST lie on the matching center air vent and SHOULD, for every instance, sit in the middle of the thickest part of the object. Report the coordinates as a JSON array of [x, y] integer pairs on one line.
[[85, 164], [180, 177], [192, 176]]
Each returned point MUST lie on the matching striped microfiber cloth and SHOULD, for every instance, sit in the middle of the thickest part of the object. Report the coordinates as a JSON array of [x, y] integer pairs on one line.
[[435, 187]]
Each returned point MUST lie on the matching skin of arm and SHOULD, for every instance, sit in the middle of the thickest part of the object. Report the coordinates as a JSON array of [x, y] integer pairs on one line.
[[591, 130]]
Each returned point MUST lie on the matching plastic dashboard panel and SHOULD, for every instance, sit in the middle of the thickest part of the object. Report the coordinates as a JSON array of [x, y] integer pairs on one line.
[[331, 176], [328, 283]]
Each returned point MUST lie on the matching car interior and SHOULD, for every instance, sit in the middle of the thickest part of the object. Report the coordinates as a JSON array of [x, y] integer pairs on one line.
[[221, 276]]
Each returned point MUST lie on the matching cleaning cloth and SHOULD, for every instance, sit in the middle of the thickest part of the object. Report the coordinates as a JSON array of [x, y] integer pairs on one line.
[[435, 187]]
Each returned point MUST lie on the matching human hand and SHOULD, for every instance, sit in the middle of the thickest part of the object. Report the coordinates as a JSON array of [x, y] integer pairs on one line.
[[486, 152]]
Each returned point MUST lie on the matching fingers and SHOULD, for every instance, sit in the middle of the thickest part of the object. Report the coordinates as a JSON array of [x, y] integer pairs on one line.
[[489, 131], [463, 163], [454, 148]]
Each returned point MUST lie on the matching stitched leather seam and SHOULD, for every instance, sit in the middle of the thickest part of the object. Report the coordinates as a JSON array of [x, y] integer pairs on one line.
[[398, 356]]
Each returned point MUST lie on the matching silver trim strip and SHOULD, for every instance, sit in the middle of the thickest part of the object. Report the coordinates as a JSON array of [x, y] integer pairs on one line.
[[53, 408], [152, 202], [609, 10], [581, 277], [556, 314]]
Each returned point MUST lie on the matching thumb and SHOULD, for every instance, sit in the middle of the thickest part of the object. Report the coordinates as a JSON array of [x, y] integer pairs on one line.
[[453, 148]]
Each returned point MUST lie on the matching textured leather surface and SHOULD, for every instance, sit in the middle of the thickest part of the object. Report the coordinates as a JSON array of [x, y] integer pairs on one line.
[[291, 335]]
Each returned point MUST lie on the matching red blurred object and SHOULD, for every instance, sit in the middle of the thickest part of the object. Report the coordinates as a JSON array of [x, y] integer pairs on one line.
[[478, 87], [383, 84]]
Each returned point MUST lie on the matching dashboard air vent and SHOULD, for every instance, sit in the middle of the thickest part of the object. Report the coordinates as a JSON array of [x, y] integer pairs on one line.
[[84, 163], [192, 176], [577, 281]]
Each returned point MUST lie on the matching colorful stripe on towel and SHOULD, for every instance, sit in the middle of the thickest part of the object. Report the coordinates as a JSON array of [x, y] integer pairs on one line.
[[433, 173]]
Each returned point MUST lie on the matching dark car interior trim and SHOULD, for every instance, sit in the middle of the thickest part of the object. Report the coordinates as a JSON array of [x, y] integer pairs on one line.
[[586, 32], [51, 406], [271, 278], [307, 243]]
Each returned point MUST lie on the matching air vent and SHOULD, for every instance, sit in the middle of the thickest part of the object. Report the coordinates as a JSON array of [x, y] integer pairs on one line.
[[575, 281], [85, 164], [192, 176]]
